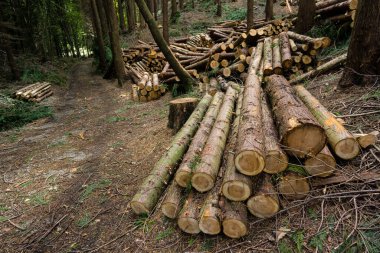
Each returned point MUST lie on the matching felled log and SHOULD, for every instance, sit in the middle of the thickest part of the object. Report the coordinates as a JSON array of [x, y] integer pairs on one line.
[[188, 219], [235, 186], [172, 203], [268, 69], [286, 55], [235, 220], [276, 63], [210, 221], [342, 142], [206, 172], [192, 157], [315, 42], [275, 159], [264, 203], [294, 120], [179, 111], [366, 140], [293, 186], [256, 59], [155, 183], [321, 165], [249, 152], [326, 3]]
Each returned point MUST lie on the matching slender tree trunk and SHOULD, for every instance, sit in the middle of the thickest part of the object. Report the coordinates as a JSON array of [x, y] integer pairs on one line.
[[155, 9], [131, 15], [186, 80], [306, 14], [174, 9], [269, 10], [115, 40], [103, 18], [249, 14], [141, 19], [121, 15], [11, 61], [363, 59], [165, 20], [219, 8], [99, 35], [181, 4]]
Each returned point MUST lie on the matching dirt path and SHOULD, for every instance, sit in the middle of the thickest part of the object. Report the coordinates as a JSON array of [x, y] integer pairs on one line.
[[67, 180]]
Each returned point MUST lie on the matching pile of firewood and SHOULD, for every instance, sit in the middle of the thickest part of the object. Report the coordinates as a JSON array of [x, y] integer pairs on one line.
[[148, 88], [337, 10], [35, 92], [233, 154]]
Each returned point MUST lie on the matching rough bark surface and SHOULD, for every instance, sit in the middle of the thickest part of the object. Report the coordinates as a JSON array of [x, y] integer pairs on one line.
[[165, 20], [179, 111], [172, 203], [235, 220], [99, 36], [250, 18], [306, 13]]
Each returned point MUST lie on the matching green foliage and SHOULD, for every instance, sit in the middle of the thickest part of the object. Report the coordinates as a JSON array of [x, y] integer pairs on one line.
[[174, 18], [207, 245], [191, 241], [297, 169], [164, 234], [311, 213], [174, 32], [35, 74], [195, 162], [89, 189], [3, 208], [235, 13], [39, 199], [22, 113], [283, 247], [3, 218], [318, 240], [116, 119], [84, 220], [298, 238], [199, 27], [372, 95], [144, 222]]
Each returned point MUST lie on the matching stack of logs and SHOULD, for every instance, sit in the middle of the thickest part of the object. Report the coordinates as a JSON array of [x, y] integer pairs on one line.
[[35, 92], [148, 88], [233, 154], [337, 10]]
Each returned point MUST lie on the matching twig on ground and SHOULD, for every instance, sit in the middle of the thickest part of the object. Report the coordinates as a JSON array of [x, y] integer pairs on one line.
[[357, 114]]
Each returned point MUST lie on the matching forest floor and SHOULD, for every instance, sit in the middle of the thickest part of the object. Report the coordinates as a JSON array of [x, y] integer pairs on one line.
[[67, 179]]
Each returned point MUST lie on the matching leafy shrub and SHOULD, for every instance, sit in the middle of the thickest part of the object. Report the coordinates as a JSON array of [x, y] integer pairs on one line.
[[235, 13], [35, 74]]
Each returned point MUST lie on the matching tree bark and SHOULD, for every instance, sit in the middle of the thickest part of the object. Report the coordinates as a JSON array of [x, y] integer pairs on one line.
[[11, 61], [250, 17], [363, 59], [235, 220], [186, 80], [192, 157], [294, 120], [117, 56], [210, 221], [172, 203], [206, 172], [121, 15], [321, 165], [269, 10], [276, 63], [99, 36], [218, 8], [174, 9], [131, 15], [103, 18], [342, 142], [306, 14], [268, 56], [181, 4], [153, 186], [165, 20], [188, 219], [286, 54], [179, 111]]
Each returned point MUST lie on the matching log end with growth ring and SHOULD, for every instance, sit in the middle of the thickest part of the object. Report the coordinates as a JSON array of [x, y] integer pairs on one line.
[[293, 186], [234, 228], [304, 139], [321, 165], [249, 162], [263, 206], [183, 178], [347, 148], [188, 225], [210, 225], [170, 210], [275, 162], [236, 190], [202, 182], [139, 208]]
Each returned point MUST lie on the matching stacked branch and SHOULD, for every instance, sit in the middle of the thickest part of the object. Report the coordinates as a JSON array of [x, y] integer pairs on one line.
[[147, 88], [35, 92]]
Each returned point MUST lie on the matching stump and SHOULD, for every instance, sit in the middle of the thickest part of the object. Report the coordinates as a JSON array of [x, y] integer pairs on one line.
[[179, 111]]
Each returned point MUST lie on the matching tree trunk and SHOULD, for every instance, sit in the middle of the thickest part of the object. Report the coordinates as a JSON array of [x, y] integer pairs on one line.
[[103, 18], [277, 63], [153, 186], [179, 111], [192, 157], [276, 160], [235, 220], [131, 15], [165, 20], [186, 80], [293, 186], [250, 20], [99, 36], [235, 186], [264, 203], [188, 219], [321, 165], [206, 172], [363, 59], [342, 142], [269, 10], [219, 8], [174, 9], [117, 56], [172, 203], [306, 14], [11, 61], [210, 221], [121, 15], [294, 120], [155, 9], [286, 54], [268, 56]]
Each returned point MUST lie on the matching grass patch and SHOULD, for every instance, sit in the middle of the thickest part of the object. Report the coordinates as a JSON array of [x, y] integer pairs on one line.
[[234, 13], [3, 208], [39, 199], [298, 238], [144, 222], [35, 74], [3, 218], [283, 247], [22, 113], [164, 234], [318, 240], [199, 27], [116, 119], [207, 245], [89, 189], [84, 221]]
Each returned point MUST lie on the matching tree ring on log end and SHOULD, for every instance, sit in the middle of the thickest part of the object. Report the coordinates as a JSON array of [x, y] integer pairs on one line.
[[189, 225], [263, 206], [249, 162], [347, 148], [139, 208], [169, 210], [183, 178], [294, 187], [275, 162], [234, 228], [236, 190], [304, 140], [202, 182], [321, 166], [210, 225]]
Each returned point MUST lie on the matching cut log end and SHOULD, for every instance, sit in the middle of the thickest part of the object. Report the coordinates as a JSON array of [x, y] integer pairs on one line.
[[169, 210], [321, 165], [236, 190], [275, 162], [263, 206], [234, 228], [347, 148], [139, 208], [303, 140], [249, 162], [210, 225], [183, 178], [293, 186], [189, 225], [202, 182]]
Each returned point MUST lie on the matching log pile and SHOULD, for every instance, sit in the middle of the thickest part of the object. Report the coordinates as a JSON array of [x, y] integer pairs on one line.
[[35, 92], [337, 10], [148, 87]]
